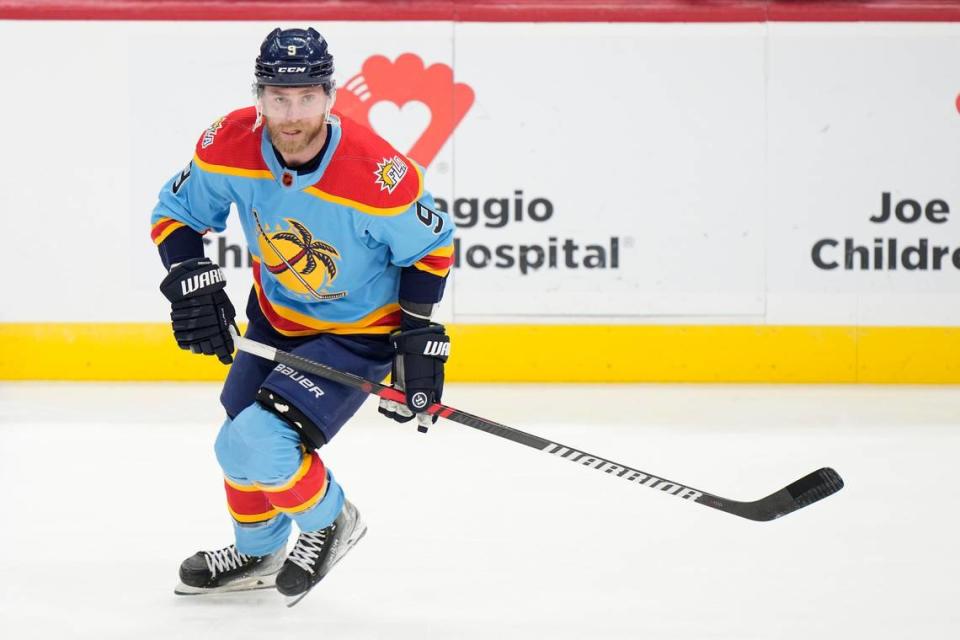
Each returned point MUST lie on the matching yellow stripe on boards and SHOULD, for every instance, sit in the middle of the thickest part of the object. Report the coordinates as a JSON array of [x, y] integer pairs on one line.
[[535, 353], [655, 353], [84, 351], [909, 354]]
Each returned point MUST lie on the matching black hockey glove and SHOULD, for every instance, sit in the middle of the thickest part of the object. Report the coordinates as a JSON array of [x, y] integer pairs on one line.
[[202, 313], [418, 372]]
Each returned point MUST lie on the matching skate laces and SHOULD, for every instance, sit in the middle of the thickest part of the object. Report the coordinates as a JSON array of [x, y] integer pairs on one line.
[[224, 560], [308, 548]]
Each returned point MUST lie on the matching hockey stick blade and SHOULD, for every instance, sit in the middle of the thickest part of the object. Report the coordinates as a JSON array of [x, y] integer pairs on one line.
[[805, 491]]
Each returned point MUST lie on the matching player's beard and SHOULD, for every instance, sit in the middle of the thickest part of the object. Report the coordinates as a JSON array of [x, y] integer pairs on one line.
[[286, 144]]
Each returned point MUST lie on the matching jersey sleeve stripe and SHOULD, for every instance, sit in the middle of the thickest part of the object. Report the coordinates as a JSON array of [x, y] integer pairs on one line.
[[438, 262], [163, 228]]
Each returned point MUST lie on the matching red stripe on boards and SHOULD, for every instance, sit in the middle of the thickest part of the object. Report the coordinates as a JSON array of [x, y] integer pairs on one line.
[[489, 11]]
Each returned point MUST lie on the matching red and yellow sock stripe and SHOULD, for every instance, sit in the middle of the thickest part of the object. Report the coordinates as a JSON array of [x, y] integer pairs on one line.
[[247, 503], [303, 490], [251, 503]]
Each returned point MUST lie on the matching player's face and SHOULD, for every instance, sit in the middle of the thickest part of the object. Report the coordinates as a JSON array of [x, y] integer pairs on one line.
[[295, 116]]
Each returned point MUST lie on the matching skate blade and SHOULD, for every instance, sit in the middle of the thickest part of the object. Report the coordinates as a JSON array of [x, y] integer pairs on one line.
[[292, 600], [252, 583]]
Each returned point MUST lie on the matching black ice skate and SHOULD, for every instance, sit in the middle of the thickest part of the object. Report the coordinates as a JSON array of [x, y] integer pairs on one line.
[[227, 570], [316, 552]]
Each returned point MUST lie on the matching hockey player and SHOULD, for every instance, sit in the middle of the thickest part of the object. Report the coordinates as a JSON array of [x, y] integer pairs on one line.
[[349, 258]]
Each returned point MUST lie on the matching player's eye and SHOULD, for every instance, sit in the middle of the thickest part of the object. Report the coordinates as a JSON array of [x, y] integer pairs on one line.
[[307, 99]]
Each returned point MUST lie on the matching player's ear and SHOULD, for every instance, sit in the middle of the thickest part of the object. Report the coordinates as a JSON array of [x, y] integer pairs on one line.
[[258, 97]]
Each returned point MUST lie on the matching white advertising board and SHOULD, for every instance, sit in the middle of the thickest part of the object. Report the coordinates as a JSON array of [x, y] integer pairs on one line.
[[611, 173], [857, 112]]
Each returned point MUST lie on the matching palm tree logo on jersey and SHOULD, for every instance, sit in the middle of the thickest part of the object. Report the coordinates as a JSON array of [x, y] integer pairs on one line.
[[299, 262], [312, 250]]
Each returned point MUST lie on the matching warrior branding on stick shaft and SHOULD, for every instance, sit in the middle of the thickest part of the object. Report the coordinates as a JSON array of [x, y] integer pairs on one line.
[[620, 471]]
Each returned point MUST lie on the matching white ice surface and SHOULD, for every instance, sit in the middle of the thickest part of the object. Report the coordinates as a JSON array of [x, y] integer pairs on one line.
[[106, 488]]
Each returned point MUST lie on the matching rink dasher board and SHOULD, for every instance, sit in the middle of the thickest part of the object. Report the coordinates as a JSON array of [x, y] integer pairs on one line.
[[747, 156]]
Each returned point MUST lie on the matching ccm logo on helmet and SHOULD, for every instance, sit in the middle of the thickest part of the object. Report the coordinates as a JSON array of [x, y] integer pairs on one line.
[[292, 70]]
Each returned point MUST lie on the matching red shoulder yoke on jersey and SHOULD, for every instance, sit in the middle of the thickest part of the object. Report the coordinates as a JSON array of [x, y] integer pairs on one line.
[[368, 174], [231, 146]]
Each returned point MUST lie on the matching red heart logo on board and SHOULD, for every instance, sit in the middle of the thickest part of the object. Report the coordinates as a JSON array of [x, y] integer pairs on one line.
[[407, 80]]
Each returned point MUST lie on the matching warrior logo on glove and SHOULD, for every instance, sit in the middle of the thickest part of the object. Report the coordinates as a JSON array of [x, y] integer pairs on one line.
[[437, 349], [419, 400], [201, 312], [417, 371], [205, 279]]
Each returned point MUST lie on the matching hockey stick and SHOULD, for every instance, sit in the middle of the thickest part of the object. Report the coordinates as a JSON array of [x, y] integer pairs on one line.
[[805, 491]]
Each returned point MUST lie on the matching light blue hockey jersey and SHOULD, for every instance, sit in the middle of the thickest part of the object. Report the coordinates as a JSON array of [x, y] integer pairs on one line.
[[329, 246]]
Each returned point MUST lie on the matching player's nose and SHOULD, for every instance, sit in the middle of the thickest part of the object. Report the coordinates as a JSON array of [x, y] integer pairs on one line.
[[296, 112]]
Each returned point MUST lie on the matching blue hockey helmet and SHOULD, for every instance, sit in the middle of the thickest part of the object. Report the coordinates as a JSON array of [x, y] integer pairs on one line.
[[294, 58]]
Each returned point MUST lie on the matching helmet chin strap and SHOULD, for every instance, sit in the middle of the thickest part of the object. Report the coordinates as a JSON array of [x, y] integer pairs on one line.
[[333, 98]]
